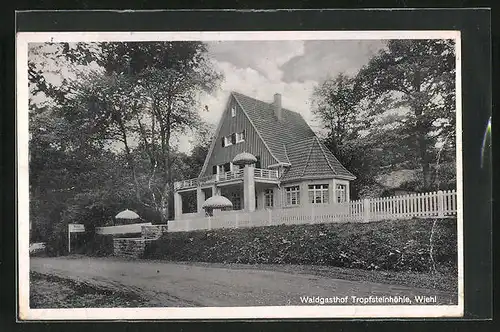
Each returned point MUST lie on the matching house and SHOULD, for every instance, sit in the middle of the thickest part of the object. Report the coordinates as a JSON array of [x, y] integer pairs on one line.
[[290, 167]]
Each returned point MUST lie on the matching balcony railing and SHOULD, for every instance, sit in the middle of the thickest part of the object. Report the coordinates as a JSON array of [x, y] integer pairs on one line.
[[186, 184], [269, 174], [227, 176]]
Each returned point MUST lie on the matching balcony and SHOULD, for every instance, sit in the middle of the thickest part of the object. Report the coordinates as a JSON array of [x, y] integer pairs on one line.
[[265, 174], [259, 174]]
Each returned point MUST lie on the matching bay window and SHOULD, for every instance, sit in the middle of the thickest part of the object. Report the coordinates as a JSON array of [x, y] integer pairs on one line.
[[318, 193], [340, 193]]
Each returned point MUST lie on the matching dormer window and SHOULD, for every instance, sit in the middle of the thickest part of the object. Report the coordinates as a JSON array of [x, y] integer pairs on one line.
[[233, 111]]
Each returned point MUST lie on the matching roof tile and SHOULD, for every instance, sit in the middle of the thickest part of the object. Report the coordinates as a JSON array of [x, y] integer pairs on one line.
[[291, 140]]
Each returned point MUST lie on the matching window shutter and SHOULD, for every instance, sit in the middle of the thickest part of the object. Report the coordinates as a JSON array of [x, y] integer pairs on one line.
[[243, 135], [222, 140], [233, 138], [214, 169]]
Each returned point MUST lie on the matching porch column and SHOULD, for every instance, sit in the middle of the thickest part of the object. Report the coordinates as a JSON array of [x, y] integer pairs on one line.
[[177, 205], [249, 188], [215, 190], [333, 192], [348, 191], [200, 199]]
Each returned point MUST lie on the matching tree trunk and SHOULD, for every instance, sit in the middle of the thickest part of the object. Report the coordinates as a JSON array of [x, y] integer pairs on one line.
[[164, 204], [422, 130], [424, 160], [130, 160]]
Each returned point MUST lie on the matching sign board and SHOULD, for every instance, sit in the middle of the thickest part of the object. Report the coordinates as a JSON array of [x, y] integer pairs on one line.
[[76, 228]]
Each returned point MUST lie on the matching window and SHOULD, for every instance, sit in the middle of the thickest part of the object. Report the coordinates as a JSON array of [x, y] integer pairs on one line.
[[233, 139], [269, 198], [240, 137], [257, 164], [292, 195], [227, 141], [318, 193], [341, 193], [223, 168], [233, 111], [236, 200]]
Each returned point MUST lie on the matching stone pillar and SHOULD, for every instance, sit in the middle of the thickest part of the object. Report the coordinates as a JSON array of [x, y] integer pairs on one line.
[[440, 203], [177, 205], [366, 210], [249, 188], [200, 199]]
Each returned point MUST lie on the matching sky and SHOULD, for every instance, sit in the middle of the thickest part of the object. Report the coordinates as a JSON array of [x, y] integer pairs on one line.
[[260, 69]]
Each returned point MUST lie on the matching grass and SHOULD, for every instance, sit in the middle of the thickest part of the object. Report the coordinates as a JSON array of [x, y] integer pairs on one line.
[[54, 292], [390, 245]]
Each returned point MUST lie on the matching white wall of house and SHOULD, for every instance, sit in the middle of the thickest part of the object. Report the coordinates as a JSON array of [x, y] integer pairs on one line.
[[281, 193]]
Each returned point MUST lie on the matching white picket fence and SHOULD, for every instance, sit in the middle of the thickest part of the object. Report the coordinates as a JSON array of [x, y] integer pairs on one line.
[[439, 204]]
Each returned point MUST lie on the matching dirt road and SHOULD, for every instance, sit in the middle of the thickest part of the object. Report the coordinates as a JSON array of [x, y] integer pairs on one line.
[[170, 284]]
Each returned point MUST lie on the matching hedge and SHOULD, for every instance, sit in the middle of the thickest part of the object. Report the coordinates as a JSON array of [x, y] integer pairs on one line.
[[401, 245]]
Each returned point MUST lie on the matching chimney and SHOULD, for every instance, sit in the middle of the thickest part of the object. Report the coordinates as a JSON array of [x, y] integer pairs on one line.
[[277, 106]]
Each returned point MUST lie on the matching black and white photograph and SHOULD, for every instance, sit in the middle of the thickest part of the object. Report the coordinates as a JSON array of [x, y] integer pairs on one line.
[[264, 174]]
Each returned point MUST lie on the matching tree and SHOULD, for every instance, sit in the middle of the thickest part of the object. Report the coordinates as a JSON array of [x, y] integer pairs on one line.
[[50, 66], [417, 77], [337, 103], [148, 93]]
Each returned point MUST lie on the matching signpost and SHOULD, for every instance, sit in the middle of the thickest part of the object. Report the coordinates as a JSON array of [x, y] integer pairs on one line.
[[74, 228]]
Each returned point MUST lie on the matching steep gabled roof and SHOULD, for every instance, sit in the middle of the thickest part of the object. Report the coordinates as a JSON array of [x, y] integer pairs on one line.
[[289, 140], [275, 134], [311, 159]]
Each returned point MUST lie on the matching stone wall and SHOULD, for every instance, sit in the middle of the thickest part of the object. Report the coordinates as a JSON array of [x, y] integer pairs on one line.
[[153, 232], [129, 247], [134, 246]]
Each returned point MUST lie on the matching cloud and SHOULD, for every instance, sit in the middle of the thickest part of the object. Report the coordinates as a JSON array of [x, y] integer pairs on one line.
[[255, 68], [322, 59], [260, 69], [265, 57]]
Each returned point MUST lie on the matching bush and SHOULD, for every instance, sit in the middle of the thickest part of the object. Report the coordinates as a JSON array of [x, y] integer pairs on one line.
[[92, 244], [385, 245], [87, 243]]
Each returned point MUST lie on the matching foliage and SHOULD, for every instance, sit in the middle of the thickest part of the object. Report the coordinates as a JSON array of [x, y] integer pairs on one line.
[[397, 112], [100, 137], [385, 245], [416, 77]]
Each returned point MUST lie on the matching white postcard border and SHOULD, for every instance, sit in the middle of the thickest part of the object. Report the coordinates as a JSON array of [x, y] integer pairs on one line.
[[261, 312]]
